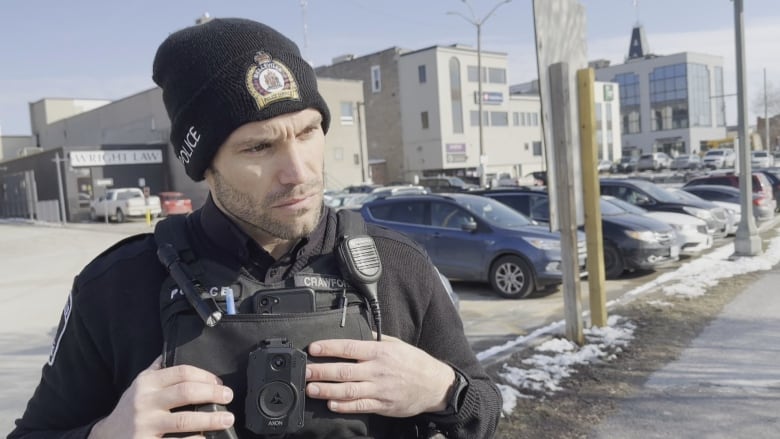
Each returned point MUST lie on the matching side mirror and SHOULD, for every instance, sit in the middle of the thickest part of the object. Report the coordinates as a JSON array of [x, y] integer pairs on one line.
[[469, 226]]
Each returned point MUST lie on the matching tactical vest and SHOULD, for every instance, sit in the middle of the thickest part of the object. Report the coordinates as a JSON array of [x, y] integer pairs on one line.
[[341, 313]]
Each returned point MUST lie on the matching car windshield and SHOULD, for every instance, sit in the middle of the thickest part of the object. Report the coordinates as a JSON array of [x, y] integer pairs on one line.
[[656, 191], [715, 152], [494, 212], [620, 206], [760, 154], [687, 196]]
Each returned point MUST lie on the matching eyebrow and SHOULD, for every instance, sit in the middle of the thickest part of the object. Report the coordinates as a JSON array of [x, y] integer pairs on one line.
[[255, 139]]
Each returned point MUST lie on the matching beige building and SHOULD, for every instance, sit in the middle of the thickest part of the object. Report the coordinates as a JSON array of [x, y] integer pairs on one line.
[[422, 113], [140, 120]]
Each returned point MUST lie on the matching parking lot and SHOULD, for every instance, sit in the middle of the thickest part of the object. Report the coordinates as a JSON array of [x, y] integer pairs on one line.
[[39, 261]]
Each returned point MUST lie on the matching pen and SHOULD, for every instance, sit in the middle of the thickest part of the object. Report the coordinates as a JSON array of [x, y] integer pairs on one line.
[[230, 301]]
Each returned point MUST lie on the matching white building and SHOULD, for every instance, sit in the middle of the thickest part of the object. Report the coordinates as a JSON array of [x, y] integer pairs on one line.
[[672, 103]]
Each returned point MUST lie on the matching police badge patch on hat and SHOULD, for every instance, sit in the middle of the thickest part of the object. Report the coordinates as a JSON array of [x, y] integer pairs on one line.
[[269, 80]]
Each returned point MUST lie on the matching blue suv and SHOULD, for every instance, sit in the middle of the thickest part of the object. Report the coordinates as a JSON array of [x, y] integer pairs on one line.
[[470, 237]]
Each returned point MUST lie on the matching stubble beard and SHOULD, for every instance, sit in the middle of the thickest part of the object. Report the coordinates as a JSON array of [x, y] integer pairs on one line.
[[257, 214]]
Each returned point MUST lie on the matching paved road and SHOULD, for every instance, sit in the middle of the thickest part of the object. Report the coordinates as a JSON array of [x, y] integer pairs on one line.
[[725, 385], [38, 263]]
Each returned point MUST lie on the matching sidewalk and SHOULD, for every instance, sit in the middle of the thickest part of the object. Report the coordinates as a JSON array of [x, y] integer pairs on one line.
[[726, 384]]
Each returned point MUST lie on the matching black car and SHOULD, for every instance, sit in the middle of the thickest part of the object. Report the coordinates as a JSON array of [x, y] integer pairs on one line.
[[630, 241], [652, 197], [627, 164]]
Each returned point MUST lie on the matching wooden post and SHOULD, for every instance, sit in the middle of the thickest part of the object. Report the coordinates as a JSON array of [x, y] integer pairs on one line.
[[591, 192]]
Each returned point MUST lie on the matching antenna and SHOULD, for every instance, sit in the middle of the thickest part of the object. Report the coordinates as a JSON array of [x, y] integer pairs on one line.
[[304, 3], [636, 8]]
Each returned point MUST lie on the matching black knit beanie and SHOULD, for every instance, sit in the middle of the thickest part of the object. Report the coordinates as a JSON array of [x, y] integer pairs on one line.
[[224, 73]]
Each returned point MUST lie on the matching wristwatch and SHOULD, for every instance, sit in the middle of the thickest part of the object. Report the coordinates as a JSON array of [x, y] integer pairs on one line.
[[455, 394]]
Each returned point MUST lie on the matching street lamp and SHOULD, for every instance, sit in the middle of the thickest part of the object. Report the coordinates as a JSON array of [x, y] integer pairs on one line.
[[478, 24]]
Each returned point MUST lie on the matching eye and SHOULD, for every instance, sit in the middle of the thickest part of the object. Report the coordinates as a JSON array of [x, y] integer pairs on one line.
[[308, 131], [257, 148]]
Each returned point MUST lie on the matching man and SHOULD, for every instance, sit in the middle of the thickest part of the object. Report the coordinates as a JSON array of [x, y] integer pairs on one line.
[[246, 116]]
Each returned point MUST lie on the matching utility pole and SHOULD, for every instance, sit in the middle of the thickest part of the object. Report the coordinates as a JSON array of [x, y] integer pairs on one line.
[[57, 160], [478, 24], [747, 241], [766, 118]]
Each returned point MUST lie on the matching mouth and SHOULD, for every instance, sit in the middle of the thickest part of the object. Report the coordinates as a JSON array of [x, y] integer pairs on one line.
[[296, 202]]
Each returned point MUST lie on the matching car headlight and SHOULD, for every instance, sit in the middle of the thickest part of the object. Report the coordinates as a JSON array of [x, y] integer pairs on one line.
[[644, 235], [704, 214], [545, 244], [684, 227]]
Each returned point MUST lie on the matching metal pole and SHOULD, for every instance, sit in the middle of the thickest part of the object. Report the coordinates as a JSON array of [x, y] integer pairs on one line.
[[57, 161], [768, 146], [482, 161], [747, 242], [360, 143]]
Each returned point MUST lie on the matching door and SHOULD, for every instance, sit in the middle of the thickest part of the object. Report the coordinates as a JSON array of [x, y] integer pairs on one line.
[[458, 253]]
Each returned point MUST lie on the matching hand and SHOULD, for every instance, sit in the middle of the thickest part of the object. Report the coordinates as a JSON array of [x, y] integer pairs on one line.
[[390, 378], [144, 410]]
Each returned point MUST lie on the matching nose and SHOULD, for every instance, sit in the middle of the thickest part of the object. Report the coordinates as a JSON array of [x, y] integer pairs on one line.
[[293, 167]]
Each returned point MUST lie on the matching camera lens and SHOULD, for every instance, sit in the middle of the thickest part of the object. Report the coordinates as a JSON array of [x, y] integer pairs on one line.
[[278, 362]]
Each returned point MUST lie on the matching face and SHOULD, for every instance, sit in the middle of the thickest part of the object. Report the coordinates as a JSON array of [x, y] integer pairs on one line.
[[268, 176]]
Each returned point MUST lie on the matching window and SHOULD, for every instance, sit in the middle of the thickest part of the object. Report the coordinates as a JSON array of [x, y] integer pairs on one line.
[[449, 216], [629, 102], [474, 118], [421, 74], [496, 75], [499, 118], [376, 79], [471, 73], [537, 148], [347, 113], [455, 96], [515, 118], [356, 159], [424, 120], [408, 212], [535, 119]]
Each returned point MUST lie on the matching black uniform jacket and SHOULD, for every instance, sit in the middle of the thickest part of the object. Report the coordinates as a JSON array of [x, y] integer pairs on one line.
[[111, 330]]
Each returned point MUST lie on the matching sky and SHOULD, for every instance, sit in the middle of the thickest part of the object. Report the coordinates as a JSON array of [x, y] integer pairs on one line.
[[97, 49], [557, 358]]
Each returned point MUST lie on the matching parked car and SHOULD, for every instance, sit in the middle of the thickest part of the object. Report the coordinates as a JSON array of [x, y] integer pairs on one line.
[[719, 158], [175, 203], [631, 241], [475, 238], [686, 161], [761, 159], [733, 211], [446, 184], [773, 175], [627, 164], [653, 162], [760, 183], [605, 166], [762, 210], [652, 197], [539, 177], [692, 234], [121, 203]]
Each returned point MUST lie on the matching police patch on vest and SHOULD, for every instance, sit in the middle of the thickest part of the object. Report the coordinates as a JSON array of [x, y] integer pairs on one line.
[[268, 80], [321, 282], [61, 328]]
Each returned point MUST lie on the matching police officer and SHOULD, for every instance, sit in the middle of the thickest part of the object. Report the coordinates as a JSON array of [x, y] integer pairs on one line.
[[247, 117]]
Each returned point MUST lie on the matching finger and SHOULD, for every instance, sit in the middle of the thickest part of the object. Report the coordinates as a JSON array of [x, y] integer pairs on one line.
[[193, 393], [357, 406], [336, 372], [195, 422], [351, 391], [349, 349], [156, 364], [170, 376]]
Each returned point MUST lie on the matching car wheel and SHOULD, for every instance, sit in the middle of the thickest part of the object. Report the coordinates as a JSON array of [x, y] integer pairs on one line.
[[120, 216], [614, 265], [511, 277]]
